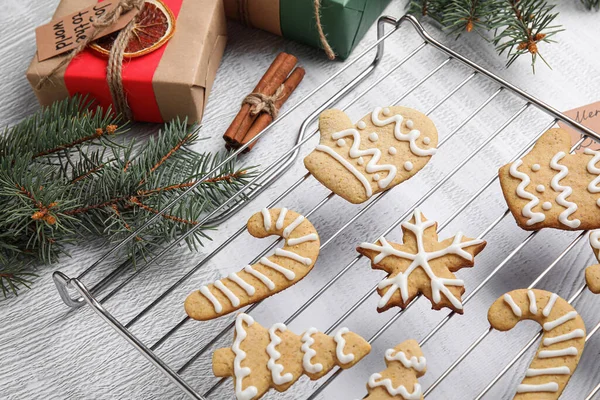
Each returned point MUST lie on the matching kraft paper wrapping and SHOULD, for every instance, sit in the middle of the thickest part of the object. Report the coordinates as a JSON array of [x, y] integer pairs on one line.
[[185, 73], [344, 21]]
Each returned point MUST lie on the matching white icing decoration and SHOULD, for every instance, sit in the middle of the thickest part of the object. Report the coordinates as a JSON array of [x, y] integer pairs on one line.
[[564, 191], [263, 278], [281, 218], [266, 218], [392, 150], [408, 166], [426, 140], [290, 228], [401, 390], [293, 256], [215, 302], [341, 142], [548, 326], [569, 351], [544, 387], [595, 239], [534, 217], [340, 344], [386, 111], [420, 260], [410, 124], [532, 302], [540, 188], [373, 137], [289, 274], [348, 166], [360, 161], [594, 186], [309, 353], [311, 237], [546, 205], [418, 364], [574, 334], [564, 370], [233, 299], [238, 371], [376, 177], [250, 290], [535, 167], [410, 137], [548, 309], [514, 307], [361, 125], [275, 368]]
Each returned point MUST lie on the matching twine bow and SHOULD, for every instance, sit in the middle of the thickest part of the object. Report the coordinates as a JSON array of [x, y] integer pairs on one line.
[[115, 57], [262, 103]]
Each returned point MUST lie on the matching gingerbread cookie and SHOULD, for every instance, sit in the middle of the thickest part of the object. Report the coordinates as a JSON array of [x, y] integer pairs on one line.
[[270, 275], [562, 341], [592, 273], [422, 264], [405, 363], [262, 358], [550, 188], [383, 149]]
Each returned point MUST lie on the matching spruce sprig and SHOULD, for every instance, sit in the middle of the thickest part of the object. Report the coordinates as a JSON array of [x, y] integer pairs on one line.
[[514, 27], [67, 173]]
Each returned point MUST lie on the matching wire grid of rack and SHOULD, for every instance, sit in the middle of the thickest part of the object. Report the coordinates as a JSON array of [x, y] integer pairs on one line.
[[285, 160]]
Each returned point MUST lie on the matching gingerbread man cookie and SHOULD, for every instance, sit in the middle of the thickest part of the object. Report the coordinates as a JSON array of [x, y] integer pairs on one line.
[[262, 358], [550, 188], [270, 275], [562, 341], [383, 149], [592, 273], [405, 363], [422, 264]]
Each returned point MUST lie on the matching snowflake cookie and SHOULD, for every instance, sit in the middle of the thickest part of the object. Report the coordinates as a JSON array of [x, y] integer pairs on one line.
[[422, 264], [562, 340], [592, 273], [405, 363], [550, 188], [262, 358], [270, 275], [383, 149]]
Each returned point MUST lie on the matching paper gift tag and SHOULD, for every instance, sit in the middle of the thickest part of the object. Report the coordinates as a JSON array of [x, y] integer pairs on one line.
[[588, 116], [65, 33]]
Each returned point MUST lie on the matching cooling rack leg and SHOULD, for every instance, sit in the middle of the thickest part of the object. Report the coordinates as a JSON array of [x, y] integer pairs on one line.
[[62, 285], [86, 297]]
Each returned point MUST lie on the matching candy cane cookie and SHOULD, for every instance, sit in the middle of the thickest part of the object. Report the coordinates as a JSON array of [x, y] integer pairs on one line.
[[270, 275]]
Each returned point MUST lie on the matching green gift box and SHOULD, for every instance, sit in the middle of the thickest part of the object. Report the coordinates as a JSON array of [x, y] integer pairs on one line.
[[344, 22]]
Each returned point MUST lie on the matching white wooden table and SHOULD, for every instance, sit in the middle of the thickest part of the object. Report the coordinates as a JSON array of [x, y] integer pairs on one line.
[[49, 351]]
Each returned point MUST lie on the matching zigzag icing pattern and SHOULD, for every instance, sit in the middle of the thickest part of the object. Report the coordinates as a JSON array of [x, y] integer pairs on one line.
[[534, 217], [564, 191]]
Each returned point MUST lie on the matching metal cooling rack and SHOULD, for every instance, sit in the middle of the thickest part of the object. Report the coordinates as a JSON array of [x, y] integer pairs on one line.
[[271, 172]]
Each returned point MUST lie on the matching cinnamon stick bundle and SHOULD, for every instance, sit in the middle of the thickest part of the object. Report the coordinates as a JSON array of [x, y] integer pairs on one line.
[[248, 121]]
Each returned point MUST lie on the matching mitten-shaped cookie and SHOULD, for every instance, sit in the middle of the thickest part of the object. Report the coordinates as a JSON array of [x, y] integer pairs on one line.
[[562, 341], [550, 188], [383, 149], [592, 273], [262, 358], [270, 275], [405, 363], [422, 264]]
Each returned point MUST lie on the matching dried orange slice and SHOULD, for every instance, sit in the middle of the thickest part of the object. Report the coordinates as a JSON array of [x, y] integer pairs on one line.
[[153, 27]]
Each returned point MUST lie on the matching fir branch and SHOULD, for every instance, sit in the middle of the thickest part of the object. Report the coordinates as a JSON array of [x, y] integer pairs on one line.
[[590, 4]]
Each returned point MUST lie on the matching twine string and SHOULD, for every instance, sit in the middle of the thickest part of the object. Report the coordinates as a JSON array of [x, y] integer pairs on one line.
[[262, 103]]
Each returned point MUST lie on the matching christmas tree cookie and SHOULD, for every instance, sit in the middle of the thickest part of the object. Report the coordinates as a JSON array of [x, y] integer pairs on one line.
[[562, 341], [270, 275], [262, 358], [422, 264], [550, 188], [405, 363], [385, 148]]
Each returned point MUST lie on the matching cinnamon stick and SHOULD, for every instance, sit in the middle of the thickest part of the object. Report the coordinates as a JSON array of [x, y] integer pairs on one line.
[[264, 119], [259, 88], [287, 65]]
